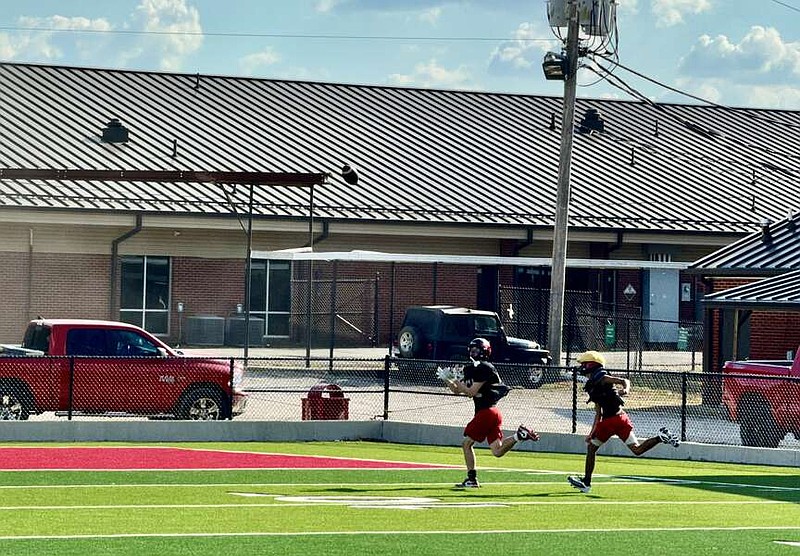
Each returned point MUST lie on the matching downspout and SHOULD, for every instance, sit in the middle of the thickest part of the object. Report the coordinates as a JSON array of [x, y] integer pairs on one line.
[[614, 273], [114, 258], [325, 233], [30, 274], [520, 246]]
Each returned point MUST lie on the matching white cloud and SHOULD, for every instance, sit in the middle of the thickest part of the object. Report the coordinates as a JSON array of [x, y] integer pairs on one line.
[[431, 15], [432, 74], [760, 57], [49, 46], [672, 12], [252, 63], [521, 54], [181, 24]]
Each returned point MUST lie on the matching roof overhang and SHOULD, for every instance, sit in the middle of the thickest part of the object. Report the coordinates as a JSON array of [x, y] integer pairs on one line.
[[304, 254]]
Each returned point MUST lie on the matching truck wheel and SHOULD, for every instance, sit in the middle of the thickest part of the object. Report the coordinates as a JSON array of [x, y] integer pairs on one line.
[[12, 404], [525, 376], [757, 425], [408, 342], [203, 404]]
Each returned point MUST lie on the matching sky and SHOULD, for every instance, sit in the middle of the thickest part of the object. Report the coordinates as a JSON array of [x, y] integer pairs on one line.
[[743, 53]]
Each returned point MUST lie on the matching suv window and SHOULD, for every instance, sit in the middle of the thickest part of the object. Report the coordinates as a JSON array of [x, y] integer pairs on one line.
[[424, 321], [485, 324], [457, 327]]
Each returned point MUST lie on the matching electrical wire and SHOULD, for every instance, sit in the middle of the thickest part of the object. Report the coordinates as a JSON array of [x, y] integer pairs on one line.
[[700, 99], [619, 83], [786, 5], [273, 35]]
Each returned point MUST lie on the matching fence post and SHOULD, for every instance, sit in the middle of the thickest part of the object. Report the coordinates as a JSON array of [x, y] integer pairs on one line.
[[376, 313], [574, 401], [229, 416], [684, 389], [628, 342], [332, 340], [71, 386], [386, 366]]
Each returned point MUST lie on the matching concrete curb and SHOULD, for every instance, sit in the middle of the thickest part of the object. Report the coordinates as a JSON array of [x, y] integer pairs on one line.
[[389, 431]]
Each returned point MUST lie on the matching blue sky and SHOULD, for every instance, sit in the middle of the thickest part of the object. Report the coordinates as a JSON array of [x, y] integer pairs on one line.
[[732, 52]]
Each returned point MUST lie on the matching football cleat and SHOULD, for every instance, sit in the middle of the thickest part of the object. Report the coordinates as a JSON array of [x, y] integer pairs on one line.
[[524, 433], [469, 483], [577, 482], [667, 437]]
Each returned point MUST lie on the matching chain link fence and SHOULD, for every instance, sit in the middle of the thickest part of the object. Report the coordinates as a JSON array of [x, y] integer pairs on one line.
[[301, 388]]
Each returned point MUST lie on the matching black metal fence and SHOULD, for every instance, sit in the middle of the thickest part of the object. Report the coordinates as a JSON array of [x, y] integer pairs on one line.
[[298, 388]]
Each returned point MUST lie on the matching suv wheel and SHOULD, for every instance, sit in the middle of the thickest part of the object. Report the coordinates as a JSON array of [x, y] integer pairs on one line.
[[408, 342]]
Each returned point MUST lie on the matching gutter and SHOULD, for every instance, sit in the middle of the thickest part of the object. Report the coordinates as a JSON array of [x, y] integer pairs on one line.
[[114, 260]]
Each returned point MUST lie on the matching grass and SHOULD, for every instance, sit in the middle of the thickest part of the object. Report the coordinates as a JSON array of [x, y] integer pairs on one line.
[[637, 506]]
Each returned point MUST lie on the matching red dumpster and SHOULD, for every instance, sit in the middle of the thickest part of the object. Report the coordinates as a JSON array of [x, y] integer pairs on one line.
[[319, 407]]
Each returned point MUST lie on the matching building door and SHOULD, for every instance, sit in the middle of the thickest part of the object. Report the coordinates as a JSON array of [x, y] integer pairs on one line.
[[661, 308], [271, 296], [488, 282]]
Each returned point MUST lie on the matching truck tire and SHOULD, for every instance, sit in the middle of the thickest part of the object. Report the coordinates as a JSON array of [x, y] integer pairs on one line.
[[408, 342], [13, 403], [528, 376], [204, 403], [757, 425]]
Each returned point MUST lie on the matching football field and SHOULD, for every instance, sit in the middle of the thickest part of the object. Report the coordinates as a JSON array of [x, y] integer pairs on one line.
[[377, 498]]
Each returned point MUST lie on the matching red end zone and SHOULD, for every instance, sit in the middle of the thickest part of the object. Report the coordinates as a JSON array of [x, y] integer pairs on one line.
[[155, 458]]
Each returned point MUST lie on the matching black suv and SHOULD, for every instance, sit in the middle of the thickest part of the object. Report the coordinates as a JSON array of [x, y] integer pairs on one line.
[[443, 332]]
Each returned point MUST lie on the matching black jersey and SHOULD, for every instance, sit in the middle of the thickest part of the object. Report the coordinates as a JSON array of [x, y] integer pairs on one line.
[[603, 394], [492, 389]]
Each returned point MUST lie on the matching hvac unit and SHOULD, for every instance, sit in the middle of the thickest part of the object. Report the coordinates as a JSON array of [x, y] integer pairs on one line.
[[205, 331], [235, 327]]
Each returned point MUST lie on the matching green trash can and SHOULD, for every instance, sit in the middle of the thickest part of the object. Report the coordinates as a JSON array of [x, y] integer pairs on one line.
[[683, 339], [611, 334]]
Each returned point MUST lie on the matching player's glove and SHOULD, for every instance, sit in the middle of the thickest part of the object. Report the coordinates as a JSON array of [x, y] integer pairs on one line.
[[445, 374]]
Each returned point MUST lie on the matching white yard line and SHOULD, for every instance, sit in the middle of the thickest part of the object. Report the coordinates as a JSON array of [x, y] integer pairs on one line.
[[360, 533]]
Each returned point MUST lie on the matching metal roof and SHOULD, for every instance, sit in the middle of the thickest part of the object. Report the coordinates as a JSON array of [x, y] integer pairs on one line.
[[776, 293], [422, 155], [773, 250]]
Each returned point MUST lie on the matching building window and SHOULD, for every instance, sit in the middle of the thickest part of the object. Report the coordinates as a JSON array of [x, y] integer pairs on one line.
[[270, 295], [144, 297]]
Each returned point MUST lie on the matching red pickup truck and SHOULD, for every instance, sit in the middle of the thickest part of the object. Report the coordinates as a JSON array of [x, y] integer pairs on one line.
[[93, 367], [766, 408]]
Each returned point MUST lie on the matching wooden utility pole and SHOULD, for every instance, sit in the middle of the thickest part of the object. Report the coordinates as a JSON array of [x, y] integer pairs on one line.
[[558, 271]]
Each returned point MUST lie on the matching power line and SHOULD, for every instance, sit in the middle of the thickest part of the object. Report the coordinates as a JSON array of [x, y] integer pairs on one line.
[[275, 35], [786, 5], [739, 112]]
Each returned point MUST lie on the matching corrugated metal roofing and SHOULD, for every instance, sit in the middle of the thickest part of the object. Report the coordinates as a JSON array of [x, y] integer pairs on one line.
[[774, 250], [776, 293], [422, 155]]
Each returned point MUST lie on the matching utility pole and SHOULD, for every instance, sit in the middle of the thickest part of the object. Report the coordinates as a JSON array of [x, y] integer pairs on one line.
[[558, 272]]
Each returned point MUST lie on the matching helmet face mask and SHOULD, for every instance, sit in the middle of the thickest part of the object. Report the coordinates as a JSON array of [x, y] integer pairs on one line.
[[480, 348]]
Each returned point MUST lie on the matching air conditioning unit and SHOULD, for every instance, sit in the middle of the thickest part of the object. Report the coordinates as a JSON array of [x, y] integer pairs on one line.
[[235, 328], [205, 331]]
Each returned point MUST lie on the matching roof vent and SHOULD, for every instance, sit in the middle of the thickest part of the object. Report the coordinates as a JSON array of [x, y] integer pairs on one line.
[[592, 121], [115, 132]]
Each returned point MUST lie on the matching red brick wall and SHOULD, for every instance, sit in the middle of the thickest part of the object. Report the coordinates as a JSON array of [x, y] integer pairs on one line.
[[14, 280]]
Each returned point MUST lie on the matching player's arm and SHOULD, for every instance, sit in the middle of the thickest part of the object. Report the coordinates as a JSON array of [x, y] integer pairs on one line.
[[458, 387], [623, 383]]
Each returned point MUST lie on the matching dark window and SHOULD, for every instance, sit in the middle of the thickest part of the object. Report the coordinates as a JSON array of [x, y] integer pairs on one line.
[[126, 343], [144, 292], [37, 337], [271, 295], [87, 341]]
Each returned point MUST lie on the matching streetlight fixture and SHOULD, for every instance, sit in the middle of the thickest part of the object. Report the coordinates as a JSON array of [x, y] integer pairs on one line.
[[555, 66]]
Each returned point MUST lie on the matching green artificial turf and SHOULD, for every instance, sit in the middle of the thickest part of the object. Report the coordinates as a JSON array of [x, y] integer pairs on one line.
[[637, 506]]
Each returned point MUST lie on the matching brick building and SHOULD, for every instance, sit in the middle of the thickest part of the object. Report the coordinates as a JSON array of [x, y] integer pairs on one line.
[[442, 173]]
